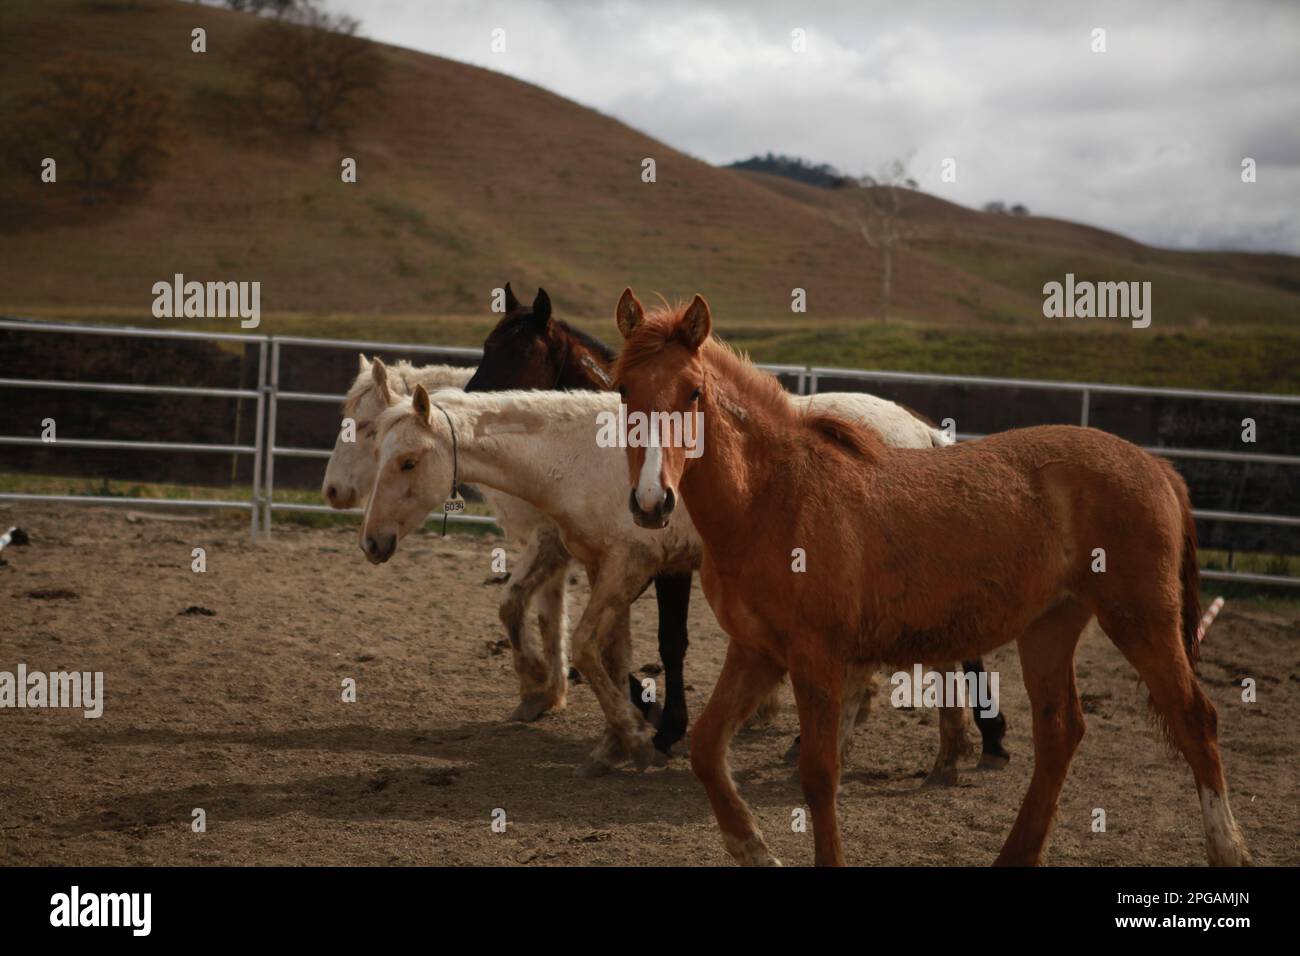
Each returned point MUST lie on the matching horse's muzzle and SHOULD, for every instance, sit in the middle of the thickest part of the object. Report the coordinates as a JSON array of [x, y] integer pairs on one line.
[[340, 497], [658, 516], [379, 548]]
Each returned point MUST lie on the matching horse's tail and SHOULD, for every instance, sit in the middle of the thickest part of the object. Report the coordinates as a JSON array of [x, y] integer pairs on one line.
[[1190, 570]]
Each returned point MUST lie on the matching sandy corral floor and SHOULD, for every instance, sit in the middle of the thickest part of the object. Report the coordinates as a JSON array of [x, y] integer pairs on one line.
[[235, 708]]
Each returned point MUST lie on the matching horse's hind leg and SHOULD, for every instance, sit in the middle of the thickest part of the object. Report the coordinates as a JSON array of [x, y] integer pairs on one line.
[[1189, 719], [1047, 660], [993, 755], [673, 594], [543, 557], [747, 676]]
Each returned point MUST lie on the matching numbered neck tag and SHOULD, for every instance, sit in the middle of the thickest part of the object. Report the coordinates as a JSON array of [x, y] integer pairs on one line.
[[454, 505]]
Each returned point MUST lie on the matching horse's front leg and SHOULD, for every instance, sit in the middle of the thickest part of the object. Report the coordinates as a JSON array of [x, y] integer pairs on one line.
[[612, 593], [747, 677], [818, 684], [952, 740], [539, 561], [673, 594], [993, 730]]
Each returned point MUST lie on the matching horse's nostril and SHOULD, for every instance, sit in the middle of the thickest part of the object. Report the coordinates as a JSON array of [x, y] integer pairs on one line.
[[331, 492], [670, 501]]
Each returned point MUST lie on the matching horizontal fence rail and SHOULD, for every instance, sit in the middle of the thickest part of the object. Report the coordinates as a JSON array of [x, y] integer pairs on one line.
[[268, 396], [254, 502]]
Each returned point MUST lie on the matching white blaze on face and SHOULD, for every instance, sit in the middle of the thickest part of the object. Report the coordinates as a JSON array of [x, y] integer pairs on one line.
[[649, 490]]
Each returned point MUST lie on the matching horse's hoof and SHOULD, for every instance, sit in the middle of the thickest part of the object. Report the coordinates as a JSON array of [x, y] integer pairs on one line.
[[659, 758], [589, 769], [751, 851], [792, 755], [993, 761], [531, 708], [643, 754], [941, 777]]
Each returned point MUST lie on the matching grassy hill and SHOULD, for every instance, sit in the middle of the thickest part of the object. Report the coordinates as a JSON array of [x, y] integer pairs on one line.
[[468, 178]]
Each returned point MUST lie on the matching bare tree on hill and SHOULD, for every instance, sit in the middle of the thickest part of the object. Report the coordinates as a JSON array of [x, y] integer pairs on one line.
[[878, 217], [318, 60], [104, 120]]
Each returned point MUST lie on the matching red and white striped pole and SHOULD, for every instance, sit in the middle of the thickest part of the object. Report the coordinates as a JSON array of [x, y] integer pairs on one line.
[[1208, 617]]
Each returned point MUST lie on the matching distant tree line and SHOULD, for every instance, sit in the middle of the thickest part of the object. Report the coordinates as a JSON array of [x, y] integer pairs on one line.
[[1002, 209], [821, 175]]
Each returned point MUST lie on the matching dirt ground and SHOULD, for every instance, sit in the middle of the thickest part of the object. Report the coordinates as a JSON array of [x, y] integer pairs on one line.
[[239, 713]]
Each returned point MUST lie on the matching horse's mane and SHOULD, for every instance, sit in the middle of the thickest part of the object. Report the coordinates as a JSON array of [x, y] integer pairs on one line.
[[402, 379], [606, 353], [545, 405], [750, 386]]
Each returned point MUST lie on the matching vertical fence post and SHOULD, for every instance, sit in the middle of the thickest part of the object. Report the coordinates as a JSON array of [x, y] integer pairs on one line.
[[259, 438], [1083, 417], [812, 383], [274, 392], [803, 380]]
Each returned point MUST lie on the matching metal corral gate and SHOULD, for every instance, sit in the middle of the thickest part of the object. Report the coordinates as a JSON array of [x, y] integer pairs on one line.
[[798, 379]]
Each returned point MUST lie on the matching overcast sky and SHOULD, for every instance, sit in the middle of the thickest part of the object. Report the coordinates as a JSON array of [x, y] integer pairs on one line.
[[1146, 139]]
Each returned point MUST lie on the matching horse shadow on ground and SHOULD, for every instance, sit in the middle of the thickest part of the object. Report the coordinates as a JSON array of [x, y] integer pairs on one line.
[[456, 772]]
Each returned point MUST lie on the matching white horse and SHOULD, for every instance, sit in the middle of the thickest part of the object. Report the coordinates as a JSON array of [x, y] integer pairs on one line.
[[350, 474], [542, 447]]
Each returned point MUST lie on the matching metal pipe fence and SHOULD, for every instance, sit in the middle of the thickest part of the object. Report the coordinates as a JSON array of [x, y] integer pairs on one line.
[[268, 395]]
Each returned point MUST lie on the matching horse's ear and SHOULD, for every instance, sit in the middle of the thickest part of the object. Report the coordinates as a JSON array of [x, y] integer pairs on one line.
[[511, 302], [420, 402], [541, 308], [364, 365], [379, 372], [696, 323], [629, 313]]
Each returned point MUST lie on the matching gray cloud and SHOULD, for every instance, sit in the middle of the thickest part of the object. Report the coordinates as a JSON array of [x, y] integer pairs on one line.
[[1146, 139]]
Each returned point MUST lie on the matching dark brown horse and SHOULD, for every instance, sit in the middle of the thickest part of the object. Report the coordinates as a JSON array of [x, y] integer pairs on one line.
[[531, 349]]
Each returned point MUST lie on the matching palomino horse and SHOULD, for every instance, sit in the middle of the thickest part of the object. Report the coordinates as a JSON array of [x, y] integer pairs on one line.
[[350, 475], [546, 448], [910, 556], [530, 349]]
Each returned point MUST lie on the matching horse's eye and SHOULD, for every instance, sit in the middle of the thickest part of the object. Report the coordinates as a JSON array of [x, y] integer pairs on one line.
[[622, 391], [695, 395], [408, 464]]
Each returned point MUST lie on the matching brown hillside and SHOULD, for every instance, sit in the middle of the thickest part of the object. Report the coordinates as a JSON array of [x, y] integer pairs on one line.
[[468, 178]]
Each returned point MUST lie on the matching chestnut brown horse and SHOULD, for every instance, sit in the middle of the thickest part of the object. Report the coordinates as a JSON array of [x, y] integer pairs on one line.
[[914, 555]]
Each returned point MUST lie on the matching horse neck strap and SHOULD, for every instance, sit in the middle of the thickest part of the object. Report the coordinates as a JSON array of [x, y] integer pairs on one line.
[[455, 463], [596, 370]]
